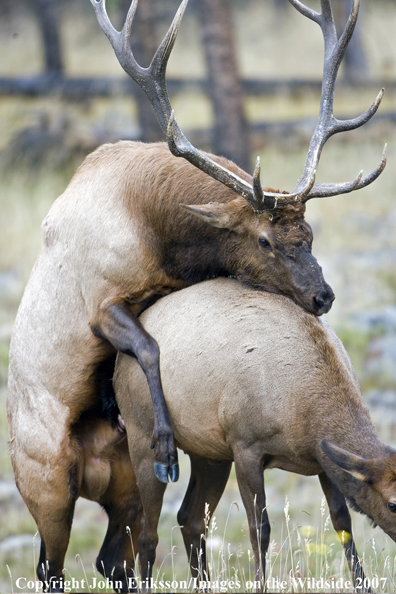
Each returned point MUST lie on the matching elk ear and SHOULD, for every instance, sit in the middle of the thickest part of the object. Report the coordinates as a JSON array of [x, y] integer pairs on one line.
[[217, 214], [355, 465]]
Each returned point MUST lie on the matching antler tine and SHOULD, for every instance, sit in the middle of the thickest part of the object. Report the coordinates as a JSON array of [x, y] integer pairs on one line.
[[259, 197], [157, 71], [346, 35], [161, 57], [327, 190], [352, 124], [261, 200], [127, 54], [115, 37], [308, 12], [151, 79], [103, 18]]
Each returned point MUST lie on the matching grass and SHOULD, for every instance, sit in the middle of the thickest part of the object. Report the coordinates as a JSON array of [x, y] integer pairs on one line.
[[304, 554]]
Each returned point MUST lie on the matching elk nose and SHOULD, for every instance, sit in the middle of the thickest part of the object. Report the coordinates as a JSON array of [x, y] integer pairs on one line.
[[323, 301]]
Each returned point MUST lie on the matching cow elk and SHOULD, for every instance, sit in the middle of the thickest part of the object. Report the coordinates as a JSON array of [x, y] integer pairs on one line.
[[268, 386], [136, 223]]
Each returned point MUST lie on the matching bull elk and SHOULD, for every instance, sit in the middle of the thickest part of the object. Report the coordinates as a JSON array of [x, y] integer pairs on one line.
[[116, 241], [268, 386], [260, 237]]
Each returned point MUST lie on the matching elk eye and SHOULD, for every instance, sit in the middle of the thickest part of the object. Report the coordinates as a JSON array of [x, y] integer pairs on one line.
[[392, 507], [264, 243]]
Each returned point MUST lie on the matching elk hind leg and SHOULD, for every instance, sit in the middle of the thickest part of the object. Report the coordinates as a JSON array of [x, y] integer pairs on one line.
[[54, 516], [151, 493], [250, 477], [207, 483], [123, 506]]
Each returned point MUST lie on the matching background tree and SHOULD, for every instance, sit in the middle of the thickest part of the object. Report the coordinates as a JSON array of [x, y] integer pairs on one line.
[[48, 16], [280, 7], [231, 134], [6, 8]]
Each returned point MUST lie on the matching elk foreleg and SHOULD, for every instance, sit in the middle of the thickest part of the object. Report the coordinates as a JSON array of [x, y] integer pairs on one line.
[[122, 329], [206, 486], [151, 493], [342, 523], [250, 477]]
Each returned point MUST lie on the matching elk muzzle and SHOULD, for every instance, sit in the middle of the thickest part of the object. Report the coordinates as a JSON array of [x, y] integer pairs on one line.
[[323, 300], [309, 288]]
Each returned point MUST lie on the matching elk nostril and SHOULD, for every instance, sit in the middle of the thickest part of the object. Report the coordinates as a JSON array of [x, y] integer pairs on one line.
[[319, 302], [323, 300]]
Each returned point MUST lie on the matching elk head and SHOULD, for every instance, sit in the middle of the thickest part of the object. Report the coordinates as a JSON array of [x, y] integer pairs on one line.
[[280, 238], [373, 491], [269, 251]]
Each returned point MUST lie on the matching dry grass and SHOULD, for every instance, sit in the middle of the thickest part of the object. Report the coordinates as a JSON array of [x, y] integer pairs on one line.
[[304, 547]]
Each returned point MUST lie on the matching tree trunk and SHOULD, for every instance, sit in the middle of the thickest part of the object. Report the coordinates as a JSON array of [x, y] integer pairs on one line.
[[47, 12], [6, 7], [144, 45], [231, 135]]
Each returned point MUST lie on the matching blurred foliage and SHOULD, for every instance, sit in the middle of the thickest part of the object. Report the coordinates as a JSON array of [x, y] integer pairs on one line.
[[388, 278], [356, 343]]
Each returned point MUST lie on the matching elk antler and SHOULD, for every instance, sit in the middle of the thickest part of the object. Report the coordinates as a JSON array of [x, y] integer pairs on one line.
[[152, 81], [327, 124]]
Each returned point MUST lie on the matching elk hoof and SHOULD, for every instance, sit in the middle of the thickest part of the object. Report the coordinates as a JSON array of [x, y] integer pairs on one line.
[[174, 473], [161, 472]]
